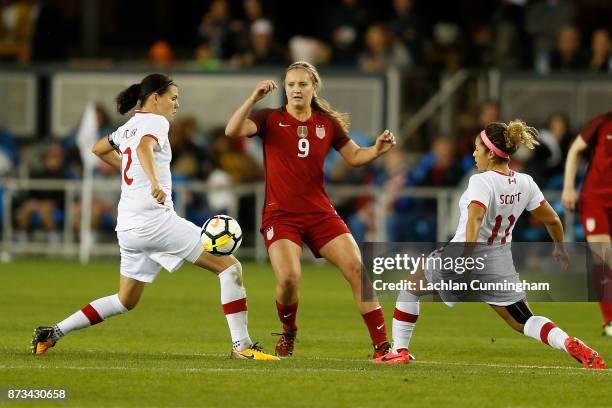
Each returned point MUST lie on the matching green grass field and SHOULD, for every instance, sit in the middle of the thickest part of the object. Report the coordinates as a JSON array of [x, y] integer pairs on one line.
[[172, 350]]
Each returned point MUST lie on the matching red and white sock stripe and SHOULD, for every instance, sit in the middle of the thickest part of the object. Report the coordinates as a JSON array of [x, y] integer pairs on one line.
[[543, 329], [239, 305], [92, 314]]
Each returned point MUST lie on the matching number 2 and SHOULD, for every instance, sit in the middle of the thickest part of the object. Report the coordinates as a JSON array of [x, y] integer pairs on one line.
[[127, 152], [303, 147]]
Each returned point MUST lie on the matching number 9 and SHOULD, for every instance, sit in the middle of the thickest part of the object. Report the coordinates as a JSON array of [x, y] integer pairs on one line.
[[303, 148]]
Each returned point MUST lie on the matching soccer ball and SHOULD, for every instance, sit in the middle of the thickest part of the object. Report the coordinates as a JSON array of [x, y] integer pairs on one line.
[[221, 235]]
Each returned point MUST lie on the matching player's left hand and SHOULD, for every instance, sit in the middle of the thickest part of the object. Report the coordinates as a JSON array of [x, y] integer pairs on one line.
[[384, 142], [561, 257]]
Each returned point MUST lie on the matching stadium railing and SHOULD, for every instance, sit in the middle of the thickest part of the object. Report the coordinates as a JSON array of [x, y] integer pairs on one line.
[[446, 212]]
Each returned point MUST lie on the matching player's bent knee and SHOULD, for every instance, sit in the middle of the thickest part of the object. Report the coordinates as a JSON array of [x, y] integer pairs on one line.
[[518, 314], [352, 271], [129, 304], [515, 325], [289, 283]]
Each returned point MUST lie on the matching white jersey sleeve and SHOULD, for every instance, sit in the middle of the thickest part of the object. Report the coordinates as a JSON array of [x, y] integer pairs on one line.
[[157, 127], [536, 198], [478, 192]]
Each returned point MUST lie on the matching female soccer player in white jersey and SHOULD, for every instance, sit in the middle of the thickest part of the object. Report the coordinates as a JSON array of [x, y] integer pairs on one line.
[[489, 207], [151, 235]]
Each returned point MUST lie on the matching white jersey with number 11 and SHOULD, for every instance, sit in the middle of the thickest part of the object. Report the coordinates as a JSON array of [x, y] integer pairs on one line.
[[504, 198]]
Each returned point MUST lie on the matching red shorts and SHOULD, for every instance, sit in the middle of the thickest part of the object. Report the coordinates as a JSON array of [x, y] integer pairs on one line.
[[595, 218], [315, 230]]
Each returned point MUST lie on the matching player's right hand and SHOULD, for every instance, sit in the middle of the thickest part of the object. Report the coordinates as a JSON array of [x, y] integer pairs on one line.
[[158, 193], [262, 89], [569, 197], [561, 257]]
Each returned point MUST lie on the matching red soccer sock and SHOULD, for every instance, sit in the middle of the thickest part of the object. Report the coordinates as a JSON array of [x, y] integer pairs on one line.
[[375, 320], [606, 311], [602, 279], [287, 315]]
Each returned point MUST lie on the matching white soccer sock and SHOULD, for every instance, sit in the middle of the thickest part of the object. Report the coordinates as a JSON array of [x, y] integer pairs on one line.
[[95, 312], [544, 330], [405, 316], [233, 300]]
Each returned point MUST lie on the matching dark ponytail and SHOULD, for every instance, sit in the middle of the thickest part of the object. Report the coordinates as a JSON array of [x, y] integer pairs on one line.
[[127, 99], [154, 83]]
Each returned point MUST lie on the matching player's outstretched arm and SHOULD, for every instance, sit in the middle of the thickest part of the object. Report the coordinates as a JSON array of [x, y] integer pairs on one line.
[[356, 156], [569, 197], [107, 153], [239, 124], [147, 161], [475, 216], [549, 217]]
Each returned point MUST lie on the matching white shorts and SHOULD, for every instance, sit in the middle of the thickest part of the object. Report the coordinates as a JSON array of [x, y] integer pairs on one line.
[[498, 267], [166, 244]]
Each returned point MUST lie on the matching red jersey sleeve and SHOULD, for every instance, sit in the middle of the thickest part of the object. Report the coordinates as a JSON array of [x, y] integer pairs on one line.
[[260, 118], [340, 136], [589, 134]]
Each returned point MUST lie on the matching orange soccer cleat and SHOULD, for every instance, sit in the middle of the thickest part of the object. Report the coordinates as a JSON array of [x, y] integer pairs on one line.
[[401, 357], [588, 357], [42, 340]]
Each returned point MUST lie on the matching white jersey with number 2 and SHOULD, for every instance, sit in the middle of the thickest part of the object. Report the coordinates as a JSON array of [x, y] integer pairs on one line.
[[137, 207], [504, 198]]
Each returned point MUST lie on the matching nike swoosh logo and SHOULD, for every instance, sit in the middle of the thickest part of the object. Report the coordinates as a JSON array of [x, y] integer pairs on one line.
[[380, 327], [281, 124], [249, 356], [385, 358], [286, 316]]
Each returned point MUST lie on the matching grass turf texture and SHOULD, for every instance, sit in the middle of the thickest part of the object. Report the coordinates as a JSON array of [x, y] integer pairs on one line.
[[172, 350]]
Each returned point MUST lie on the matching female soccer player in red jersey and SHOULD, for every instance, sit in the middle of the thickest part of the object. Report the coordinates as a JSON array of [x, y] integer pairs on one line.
[[595, 204], [296, 139], [494, 200]]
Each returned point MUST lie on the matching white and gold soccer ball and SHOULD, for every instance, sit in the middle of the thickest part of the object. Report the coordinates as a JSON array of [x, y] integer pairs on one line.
[[221, 235]]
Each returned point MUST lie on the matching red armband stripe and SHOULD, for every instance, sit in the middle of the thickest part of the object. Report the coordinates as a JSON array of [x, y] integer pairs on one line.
[[152, 137], [479, 203]]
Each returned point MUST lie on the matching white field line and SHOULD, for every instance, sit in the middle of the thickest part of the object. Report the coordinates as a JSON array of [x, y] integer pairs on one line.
[[275, 365], [185, 370], [493, 365]]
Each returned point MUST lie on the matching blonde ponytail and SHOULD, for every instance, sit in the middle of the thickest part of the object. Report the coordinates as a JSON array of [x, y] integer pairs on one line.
[[518, 133], [318, 102]]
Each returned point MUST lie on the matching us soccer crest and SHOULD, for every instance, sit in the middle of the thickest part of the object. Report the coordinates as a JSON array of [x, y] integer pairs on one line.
[[270, 233], [302, 131], [590, 224], [320, 131]]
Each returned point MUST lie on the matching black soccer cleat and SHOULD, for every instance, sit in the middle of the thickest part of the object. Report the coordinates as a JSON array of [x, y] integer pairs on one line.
[[42, 340]]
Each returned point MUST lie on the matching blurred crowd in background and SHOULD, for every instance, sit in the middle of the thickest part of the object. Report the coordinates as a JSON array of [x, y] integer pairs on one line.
[[545, 36]]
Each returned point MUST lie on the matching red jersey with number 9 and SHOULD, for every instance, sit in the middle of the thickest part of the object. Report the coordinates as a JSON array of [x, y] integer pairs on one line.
[[294, 155]]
